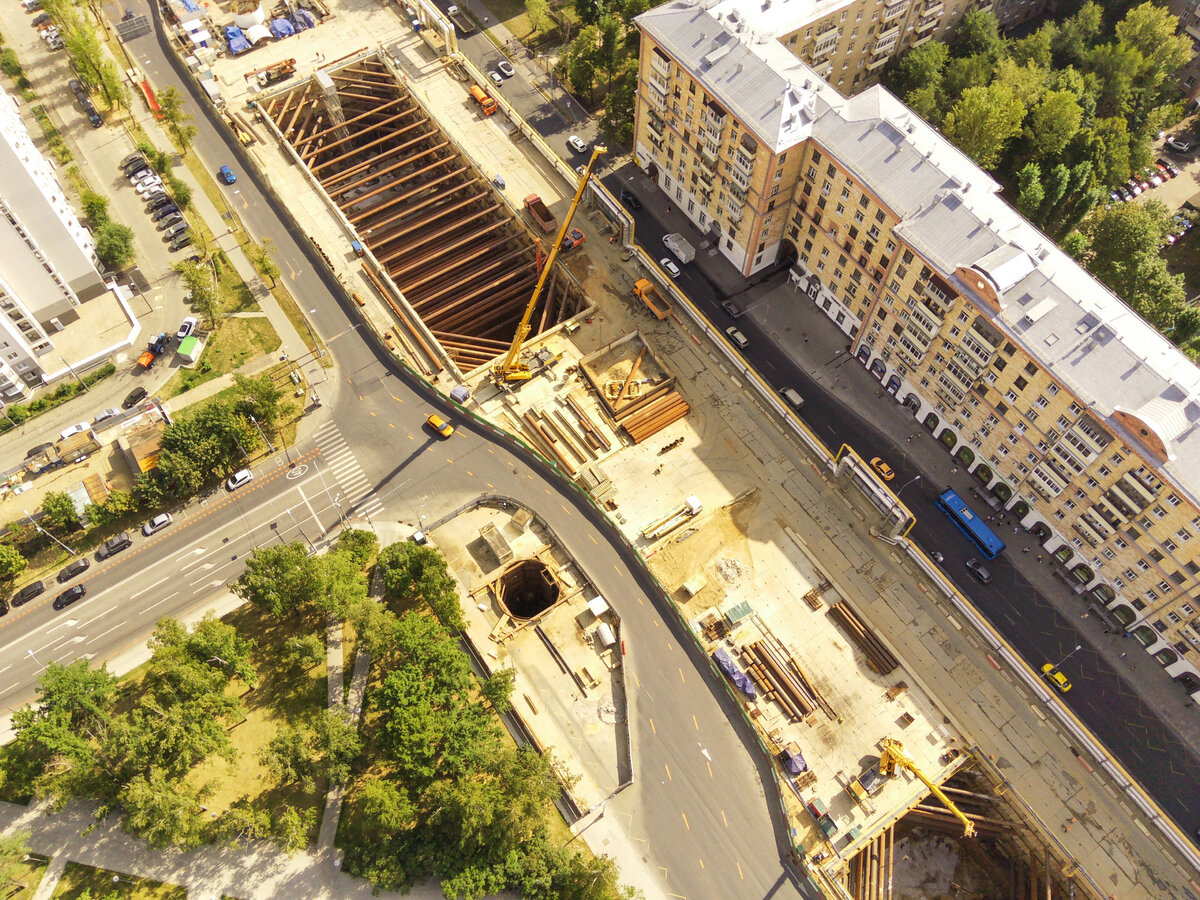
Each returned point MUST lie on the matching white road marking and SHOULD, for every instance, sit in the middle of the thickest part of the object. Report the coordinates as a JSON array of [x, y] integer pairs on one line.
[[150, 588], [114, 628]]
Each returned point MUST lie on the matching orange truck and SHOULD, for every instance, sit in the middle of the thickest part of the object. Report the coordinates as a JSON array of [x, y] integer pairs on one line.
[[541, 213], [485, 101], [658, 305]]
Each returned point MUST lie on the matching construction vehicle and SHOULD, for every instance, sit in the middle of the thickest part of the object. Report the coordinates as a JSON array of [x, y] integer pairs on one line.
[[574, 238], [655, 301], [487, 105], [512, 368], [280, 71], [459, 18], [893, 755], [541, 213], [678, 245], [691, 508]]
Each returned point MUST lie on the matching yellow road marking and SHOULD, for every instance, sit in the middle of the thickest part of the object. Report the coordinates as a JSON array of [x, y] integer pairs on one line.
[[668, 768], [681, 680], [723, 819], [685, 821], [710, 774], [694, 722], [652, 728], [740, 872]]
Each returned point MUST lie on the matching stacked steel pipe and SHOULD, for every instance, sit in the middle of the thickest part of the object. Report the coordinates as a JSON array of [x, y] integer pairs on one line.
[[879, 658]]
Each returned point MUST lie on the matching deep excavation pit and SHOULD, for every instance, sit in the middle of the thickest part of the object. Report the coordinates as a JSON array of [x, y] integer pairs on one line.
[[528, 589]]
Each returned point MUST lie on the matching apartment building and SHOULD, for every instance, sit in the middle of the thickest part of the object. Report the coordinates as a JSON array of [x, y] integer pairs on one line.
[[848, 42], [1068, 409], [48, 262], [1188, 12]]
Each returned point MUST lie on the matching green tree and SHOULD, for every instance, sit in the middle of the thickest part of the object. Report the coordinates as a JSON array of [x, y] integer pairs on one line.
[[170, 102], [338, 742], [59, 512], [279, 579], [180, 189], [1030, 191], [1114, 66], [344, 584], [259, 396], [116, 506], [1075, 245], [982, 123], [201, 285], [581, 64], [418, 572], [292, 827], [211, 642], [589, 12], [966, 72], [264, 261], [1034, 49], [497, 689], [1126, 240], [95, 207], [1076, 36], [304, 651], [617, 119], [164, 812], [290, 757], [114, 244], [361, 545], [1052, 123], [244, 821], [538, 14], [978, 34], [921, 67], [1154, 33], [12, 563]]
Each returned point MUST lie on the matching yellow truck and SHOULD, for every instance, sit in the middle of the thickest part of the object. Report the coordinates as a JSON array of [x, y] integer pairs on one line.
[[652, 297]]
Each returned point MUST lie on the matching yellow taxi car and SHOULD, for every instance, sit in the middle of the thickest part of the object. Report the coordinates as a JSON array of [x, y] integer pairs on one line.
[[884, 470], [1056, 678], [440, 425]]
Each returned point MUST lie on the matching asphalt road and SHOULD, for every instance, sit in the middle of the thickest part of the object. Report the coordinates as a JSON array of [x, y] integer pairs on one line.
[[698, 801], [1102, 698]]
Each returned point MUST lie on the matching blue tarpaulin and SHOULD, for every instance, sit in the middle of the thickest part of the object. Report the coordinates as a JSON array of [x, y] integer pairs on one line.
[[794, 761], [304, 19], [281, 28], [237, 40], [191, 5], [736, 675]]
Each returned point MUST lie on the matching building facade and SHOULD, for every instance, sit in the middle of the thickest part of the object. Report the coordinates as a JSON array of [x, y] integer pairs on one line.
[[1068, 409], [48, 263]]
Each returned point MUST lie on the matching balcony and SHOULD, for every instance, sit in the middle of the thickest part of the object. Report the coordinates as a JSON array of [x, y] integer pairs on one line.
[[887, 39], [927, 24], [661, 85], [714, 118], [825, 70], [1119, 497], [826, 41], [660, 65], [708, 162], [1084, 530], [933, 9], [1132, 486], [737, 192], [657, 125], [878, 62], [1097, 523], [895, 10]]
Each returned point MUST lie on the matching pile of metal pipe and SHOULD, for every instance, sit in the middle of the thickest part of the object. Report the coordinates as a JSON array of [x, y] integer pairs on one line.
[[879, 658]]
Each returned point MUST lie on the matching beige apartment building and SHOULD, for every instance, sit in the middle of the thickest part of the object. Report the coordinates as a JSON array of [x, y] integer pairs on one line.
[[1069, 410], [848, 42]]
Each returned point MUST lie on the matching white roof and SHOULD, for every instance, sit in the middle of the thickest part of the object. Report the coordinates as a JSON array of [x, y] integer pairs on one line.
[[951, 212]]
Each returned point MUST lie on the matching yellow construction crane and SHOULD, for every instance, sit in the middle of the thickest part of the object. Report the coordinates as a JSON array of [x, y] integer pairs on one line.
[[894, 755], [513, 368]]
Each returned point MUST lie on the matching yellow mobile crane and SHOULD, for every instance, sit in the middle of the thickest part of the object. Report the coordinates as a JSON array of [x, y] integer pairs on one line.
[[512, 368], [894, 755]]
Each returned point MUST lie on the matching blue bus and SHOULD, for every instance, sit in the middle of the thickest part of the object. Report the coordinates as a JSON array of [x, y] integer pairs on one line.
[[970, 524]]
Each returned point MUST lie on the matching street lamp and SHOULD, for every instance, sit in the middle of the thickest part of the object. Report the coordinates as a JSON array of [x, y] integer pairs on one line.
[[261, 434], [301, 530], [48, 534], [29, 652], [906, 484], [1068, 656]]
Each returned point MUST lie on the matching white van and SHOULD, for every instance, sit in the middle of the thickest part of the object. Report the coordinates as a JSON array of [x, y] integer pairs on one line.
[[795, 401]]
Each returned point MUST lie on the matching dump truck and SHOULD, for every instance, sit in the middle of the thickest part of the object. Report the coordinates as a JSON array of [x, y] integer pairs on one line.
[[461, 20], [652, 297], [678, 245], [487, 104], [541, 213], [661, 527]]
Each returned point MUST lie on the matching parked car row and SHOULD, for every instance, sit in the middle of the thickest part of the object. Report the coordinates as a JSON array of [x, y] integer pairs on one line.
[[1150, 178], [162, 209], [81, 94], [47, 30], [1180, 225]]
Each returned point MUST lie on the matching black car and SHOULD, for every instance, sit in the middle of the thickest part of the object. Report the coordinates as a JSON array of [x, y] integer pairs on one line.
[[78, 566], [131, 159], [631, 200], [162, 212], [40, 448], [27, 593], [69, 596], [137, 170], [133, 398], [158, 201], [40, 19], [94, 117], [114, 545], [77, 88]]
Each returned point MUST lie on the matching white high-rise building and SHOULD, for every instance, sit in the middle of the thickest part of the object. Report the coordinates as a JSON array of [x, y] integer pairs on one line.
[[48, 263]]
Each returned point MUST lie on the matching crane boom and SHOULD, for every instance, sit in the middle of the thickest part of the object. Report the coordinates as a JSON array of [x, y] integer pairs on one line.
[[512, 368], [893, 755]]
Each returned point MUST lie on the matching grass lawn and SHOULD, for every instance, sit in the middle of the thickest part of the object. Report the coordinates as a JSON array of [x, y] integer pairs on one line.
[[511, 14], [234, 342], [284, 696], [27, 873], [77, 878]]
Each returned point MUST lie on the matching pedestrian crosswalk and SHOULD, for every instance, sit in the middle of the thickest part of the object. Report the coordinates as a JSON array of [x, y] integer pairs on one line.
[[338, 460]]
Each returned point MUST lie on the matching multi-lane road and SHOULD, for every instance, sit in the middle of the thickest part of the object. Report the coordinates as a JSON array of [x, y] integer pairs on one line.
[[703, 800], [1166, 767]]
